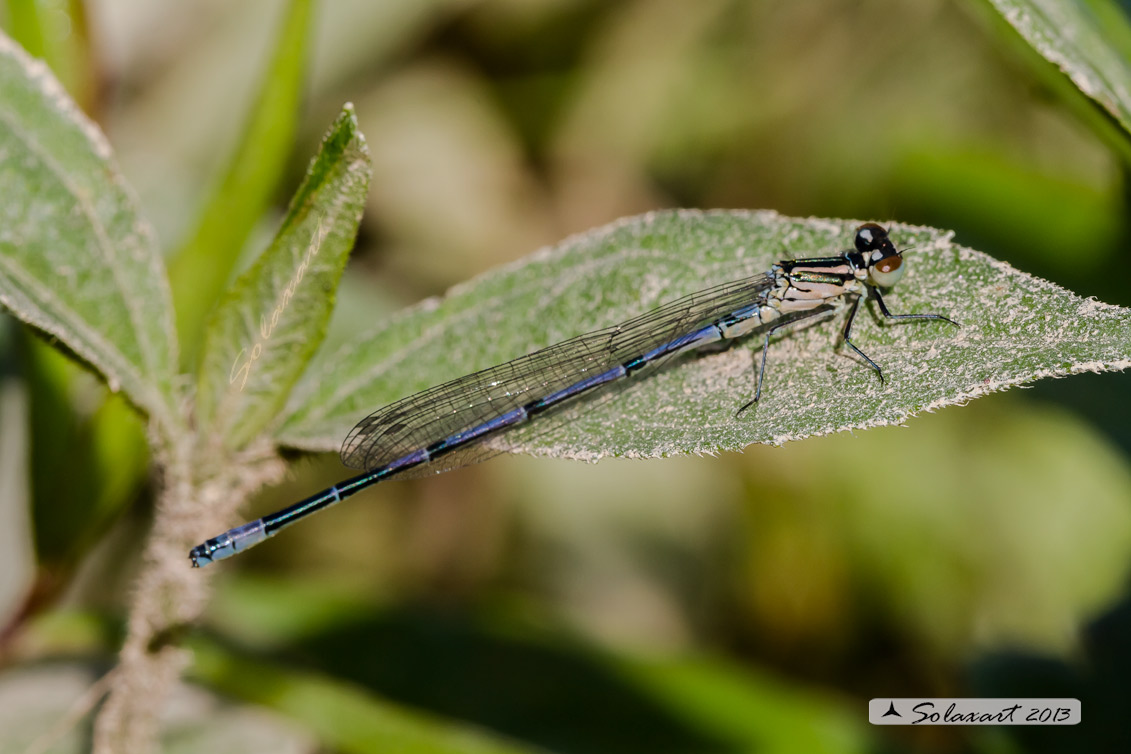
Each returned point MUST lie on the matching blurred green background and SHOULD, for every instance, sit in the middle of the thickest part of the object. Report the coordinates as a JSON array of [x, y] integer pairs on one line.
[[750, 602]]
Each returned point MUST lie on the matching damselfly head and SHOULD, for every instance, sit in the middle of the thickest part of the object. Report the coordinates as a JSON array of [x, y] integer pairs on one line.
[[872, 237], [885, 265]]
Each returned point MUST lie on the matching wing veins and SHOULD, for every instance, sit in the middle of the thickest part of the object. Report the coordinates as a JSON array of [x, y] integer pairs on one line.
[[469, 401]]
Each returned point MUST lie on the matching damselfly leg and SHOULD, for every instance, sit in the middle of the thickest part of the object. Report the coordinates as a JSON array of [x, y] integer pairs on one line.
[[875, 293], [766, 348]]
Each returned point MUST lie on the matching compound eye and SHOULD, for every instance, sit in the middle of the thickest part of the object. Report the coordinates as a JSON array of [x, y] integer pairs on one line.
[[870, 236], [887, 271]]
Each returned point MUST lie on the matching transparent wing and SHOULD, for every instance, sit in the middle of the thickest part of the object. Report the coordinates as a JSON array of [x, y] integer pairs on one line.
[[421, 419]]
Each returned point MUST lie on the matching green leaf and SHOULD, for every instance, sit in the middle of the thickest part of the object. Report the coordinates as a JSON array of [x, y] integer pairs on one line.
[[749, 709], [345, 717], [200, 270], [1014, 329], [76, 260], [106, 453], [272, 320], [1089, 40]]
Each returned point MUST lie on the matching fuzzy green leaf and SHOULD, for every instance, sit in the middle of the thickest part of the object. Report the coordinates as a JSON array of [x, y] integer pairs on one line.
[[1089, 41], [1014, 329], [272, 320], [76, 261]]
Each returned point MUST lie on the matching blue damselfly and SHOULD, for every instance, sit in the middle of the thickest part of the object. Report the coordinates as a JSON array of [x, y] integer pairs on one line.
[[448, 426]]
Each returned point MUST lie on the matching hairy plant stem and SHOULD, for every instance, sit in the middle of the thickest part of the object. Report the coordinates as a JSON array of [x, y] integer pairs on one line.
[[169, 594]]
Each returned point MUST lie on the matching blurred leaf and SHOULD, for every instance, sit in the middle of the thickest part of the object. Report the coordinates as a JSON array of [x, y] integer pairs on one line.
[[35, 702], [200, 270], [75, 259], [758, 713], [1096, 675], [49, 705], [273, 319], [345, 717], [265, 611], [505, 675], [1000, 197], [16, 558], [356, 37], [1015, 329], [952, 562], [1089, 40], [554, 691], [25, 24], [105, 452], [69, 633], [58, 33]]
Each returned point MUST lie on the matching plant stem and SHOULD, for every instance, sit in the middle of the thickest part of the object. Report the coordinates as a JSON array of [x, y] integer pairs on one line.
[[169, 594]]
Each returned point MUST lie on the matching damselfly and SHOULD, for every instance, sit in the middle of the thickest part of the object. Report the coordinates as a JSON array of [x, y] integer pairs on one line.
[[449, 425]]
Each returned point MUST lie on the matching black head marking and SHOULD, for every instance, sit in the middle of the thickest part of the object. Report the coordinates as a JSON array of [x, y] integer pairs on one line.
[[872, 237]]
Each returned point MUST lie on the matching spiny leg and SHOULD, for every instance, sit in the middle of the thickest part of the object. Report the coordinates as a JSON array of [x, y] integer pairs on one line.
[[850, 344], [761, 372], [765, 349], [888, 315]]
